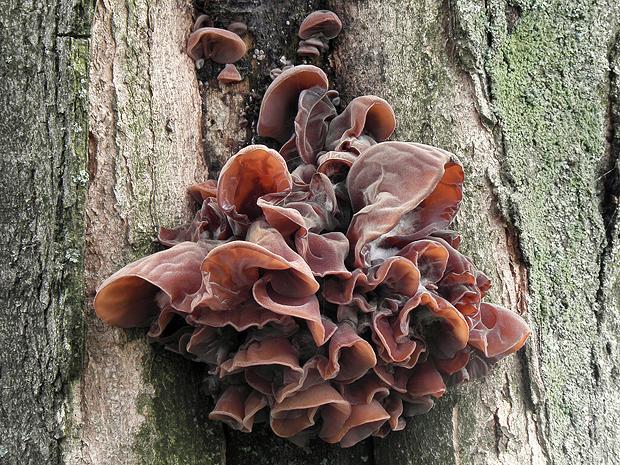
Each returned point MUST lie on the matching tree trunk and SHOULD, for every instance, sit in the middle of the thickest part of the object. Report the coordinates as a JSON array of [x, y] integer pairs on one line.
[[525, 94], [43, 178]]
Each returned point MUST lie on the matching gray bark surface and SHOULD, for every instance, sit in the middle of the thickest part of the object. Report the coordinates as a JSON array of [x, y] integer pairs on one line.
[[527, 96], [43, 127]]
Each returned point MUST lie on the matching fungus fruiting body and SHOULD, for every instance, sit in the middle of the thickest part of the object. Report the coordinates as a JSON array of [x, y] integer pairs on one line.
[[220, 45], [318, 283], [238, 27], [229, 74], [316, 31]]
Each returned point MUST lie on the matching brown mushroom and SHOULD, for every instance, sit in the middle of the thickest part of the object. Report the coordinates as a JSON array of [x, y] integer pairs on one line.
[[316, 31], [202, 21], [314, 42], [297, 412], [220, 45], [136, 294], [279, 106], [253, 172], [238, 27], [315, 111], [307, 50], [499, 333], [323, 23], [366, 121], [231, 407], [314, 46], [229, 74], [387, 181], [363, 421], [317, 332]]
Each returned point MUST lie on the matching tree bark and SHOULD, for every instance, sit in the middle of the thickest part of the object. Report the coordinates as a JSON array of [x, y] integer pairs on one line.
[[525, 94], [44, 122]]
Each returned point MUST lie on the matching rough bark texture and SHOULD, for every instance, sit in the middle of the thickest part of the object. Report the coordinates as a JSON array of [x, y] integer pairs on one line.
[[137, 405], [43, 127], [526, 94]]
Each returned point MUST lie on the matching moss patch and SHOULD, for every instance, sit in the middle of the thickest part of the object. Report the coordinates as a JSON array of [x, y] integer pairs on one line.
[[549, 85], [177, 430]]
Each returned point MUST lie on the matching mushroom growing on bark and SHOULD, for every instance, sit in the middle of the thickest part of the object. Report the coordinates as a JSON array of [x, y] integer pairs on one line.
[[220, 45], [238, 27], [316, 31], [229, 74], [324, 295], [279, 105], [202, 21]]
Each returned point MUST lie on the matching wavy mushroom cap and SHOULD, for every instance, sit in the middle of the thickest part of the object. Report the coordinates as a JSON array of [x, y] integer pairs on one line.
[[499, 333], [133, 296], [324, 22], [387, 183], [237, 407], [220, 45], [368, 116], [265, 271], [229, 74], [204, 190], [363, 421], [315, 111], [297, 412], [251, 173], [279, 106]]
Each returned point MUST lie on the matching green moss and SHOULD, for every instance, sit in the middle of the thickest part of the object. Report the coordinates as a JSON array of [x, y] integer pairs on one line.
[[548, 81], [176, 430]]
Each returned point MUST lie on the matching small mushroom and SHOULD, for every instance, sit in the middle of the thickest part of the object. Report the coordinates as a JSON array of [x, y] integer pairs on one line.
[[220, 45], [238, 27], [274, 73], [307, 50], [229, 74], [314, 46], [320, 23], [315, 42], [202, 21], [316, 31]]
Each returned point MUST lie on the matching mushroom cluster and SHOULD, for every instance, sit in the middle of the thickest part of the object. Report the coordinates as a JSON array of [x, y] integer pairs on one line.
[[220, 45], [319, 284]]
